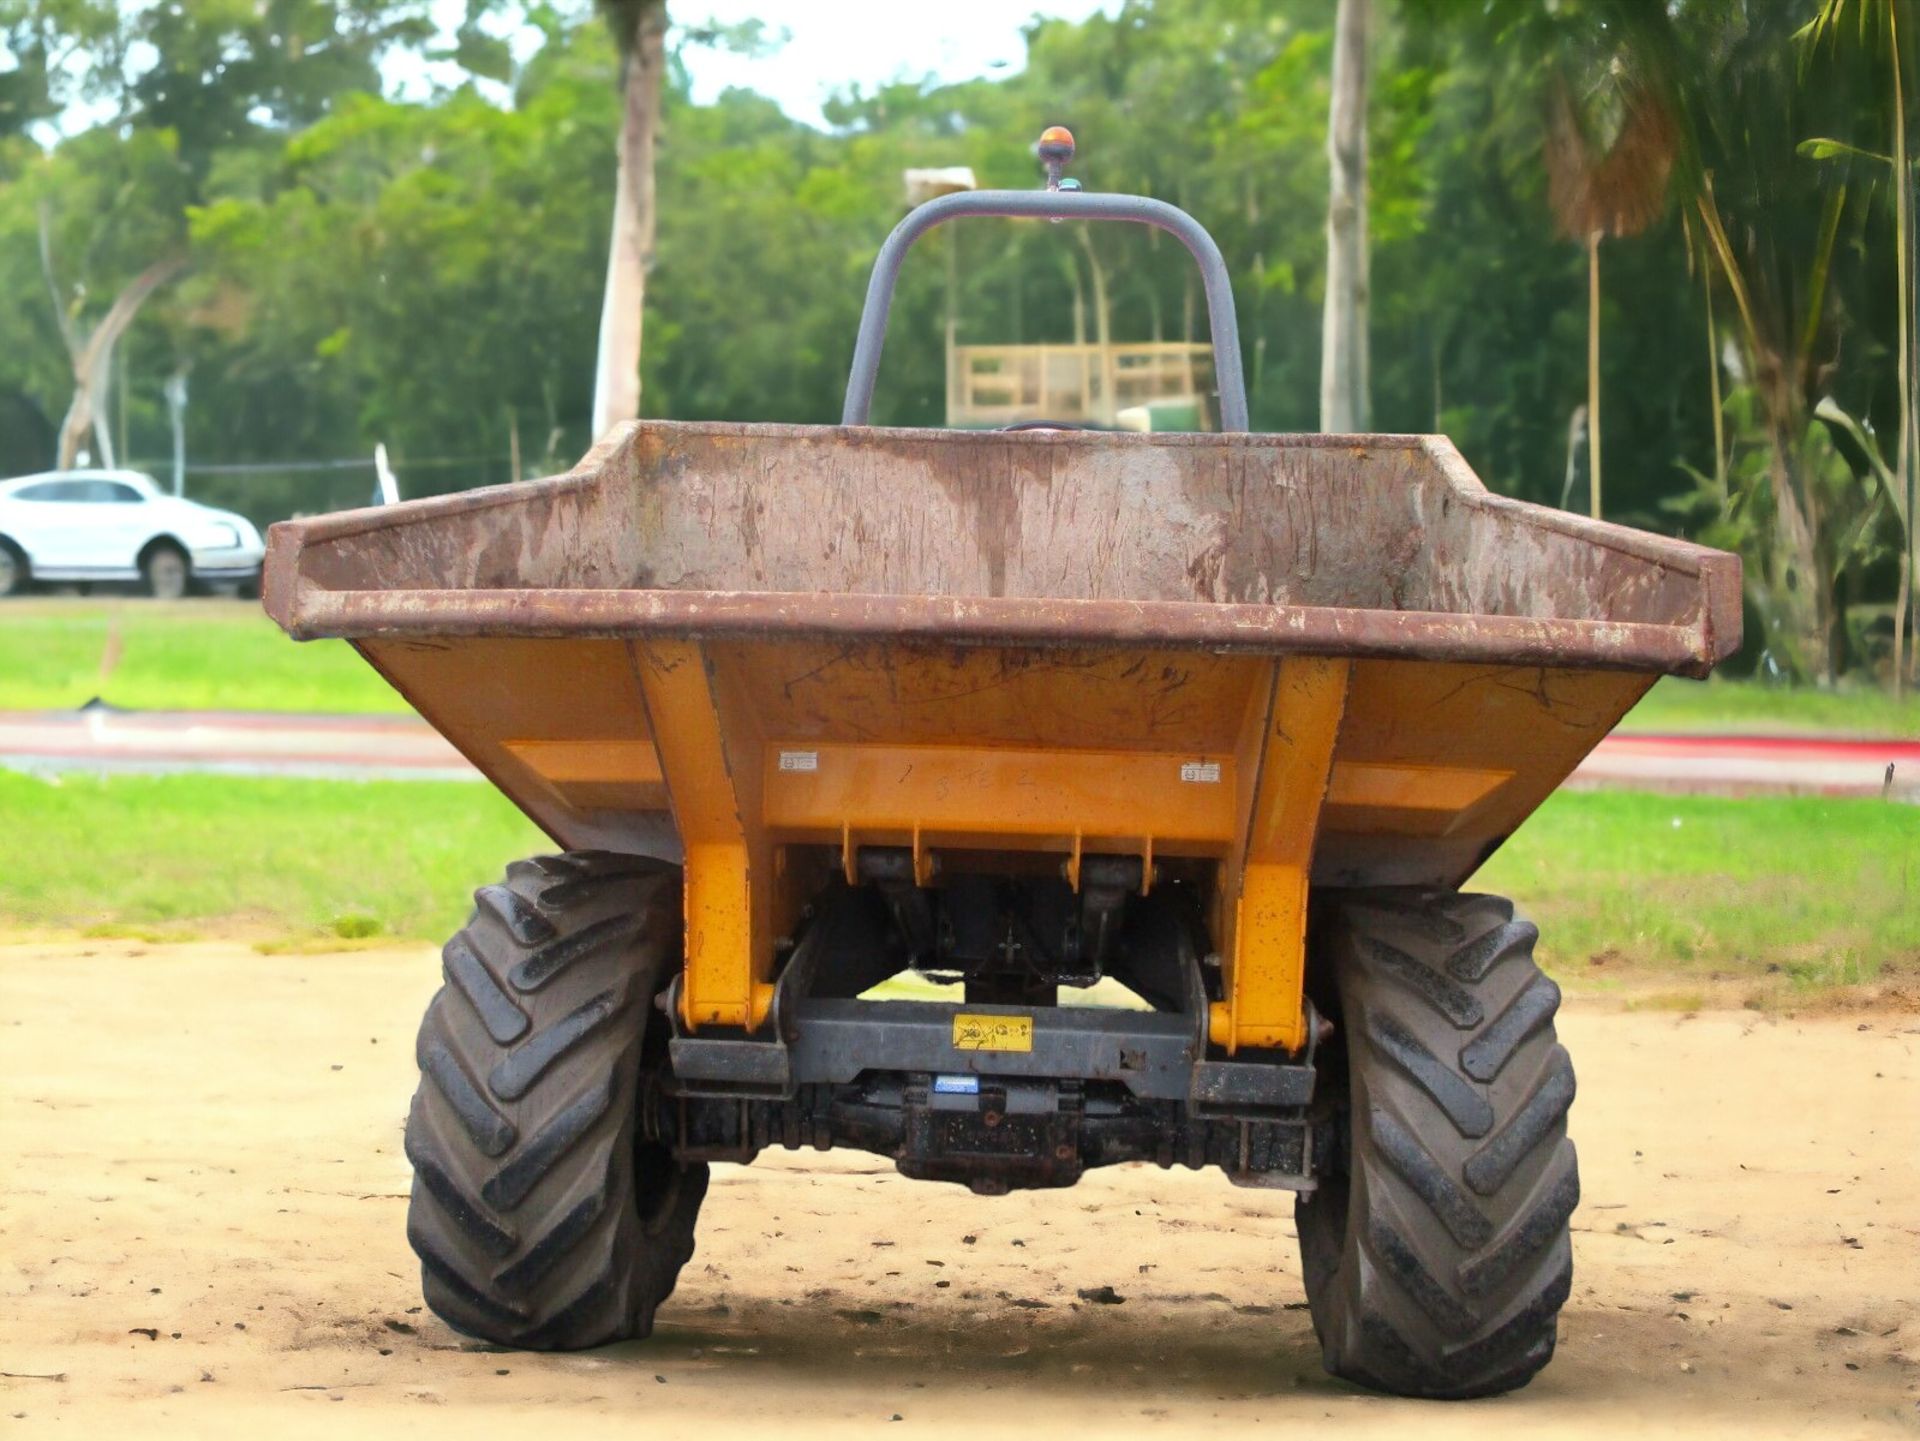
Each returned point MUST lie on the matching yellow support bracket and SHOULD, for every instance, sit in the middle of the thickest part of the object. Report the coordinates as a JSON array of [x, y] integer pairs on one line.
[[1286, 757], [730, 877]]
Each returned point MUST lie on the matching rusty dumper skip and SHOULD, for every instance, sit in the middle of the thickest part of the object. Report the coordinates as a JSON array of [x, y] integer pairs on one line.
[[1227, 719]]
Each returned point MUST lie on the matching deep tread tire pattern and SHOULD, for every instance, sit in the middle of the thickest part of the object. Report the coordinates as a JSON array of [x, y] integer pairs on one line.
[[1437, 1251], [539, 1221]]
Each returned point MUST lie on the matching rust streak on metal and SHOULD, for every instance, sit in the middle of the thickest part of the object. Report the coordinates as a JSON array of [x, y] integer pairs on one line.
[[1262, 544]]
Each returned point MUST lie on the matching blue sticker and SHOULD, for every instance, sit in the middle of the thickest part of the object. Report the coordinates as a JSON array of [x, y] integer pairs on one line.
[[957, 1085]]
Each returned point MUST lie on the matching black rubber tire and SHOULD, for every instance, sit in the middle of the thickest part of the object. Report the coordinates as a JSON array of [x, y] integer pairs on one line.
[[1436, 1250], [14, 570], [166, 572], [540, 1218]]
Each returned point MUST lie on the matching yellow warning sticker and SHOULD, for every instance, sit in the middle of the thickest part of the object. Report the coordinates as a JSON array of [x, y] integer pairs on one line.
[[992, 1033]]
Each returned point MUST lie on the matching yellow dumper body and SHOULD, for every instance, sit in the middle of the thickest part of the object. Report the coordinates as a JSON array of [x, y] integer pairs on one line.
[[1304, 660], [1226, 719]]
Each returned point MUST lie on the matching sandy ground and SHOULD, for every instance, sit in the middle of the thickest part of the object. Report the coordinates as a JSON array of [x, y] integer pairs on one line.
[[201, 1235]]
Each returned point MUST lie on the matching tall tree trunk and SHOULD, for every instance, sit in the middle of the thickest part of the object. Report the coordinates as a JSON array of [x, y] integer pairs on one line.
[[1713, 385], [1344, 389], [1796, 561], [1079, 303], [1906, 463], [1576, 434], [616, 384], [176, 393], [953, 320], [1593, 371], [120, 401], [93, 357], [1102, 327], [1902, 597], [1802, 581]]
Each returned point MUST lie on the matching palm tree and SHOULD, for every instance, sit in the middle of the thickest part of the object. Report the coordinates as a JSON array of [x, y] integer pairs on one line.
[[1881, 18], [1704, 97], [640, 30], [1770, 224], [1344, 387], [1609, 151]]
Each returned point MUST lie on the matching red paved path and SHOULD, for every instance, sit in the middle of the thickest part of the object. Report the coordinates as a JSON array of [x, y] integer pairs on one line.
[[398, 747]]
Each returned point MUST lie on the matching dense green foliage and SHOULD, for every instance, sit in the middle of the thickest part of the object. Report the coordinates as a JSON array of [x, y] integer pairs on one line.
[[427, 272]]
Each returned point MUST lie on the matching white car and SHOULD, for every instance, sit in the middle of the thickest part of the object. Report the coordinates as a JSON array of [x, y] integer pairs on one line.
[[108, 525]]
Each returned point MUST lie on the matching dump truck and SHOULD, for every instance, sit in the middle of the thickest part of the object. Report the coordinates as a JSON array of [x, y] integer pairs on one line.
[[1216, 724]]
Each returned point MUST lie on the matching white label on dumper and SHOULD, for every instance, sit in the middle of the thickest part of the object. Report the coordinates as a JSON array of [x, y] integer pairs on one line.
[[799, 760], [1206, 773]]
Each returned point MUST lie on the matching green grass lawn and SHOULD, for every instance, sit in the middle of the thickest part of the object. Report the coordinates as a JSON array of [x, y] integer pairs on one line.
[[226, 655], [210, 654], [1811, 890], [1819, 891], [1738, 707], [194, 854]]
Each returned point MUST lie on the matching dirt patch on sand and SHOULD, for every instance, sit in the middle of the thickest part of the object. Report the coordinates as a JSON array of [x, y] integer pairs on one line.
[[201, 1235]]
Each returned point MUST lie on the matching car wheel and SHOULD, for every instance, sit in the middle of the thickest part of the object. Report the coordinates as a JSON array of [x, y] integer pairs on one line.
[[13, 570], [166, 572]]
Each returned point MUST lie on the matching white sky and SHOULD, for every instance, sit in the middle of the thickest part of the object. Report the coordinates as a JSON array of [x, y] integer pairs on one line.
[[839, 43], [828, 46]]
